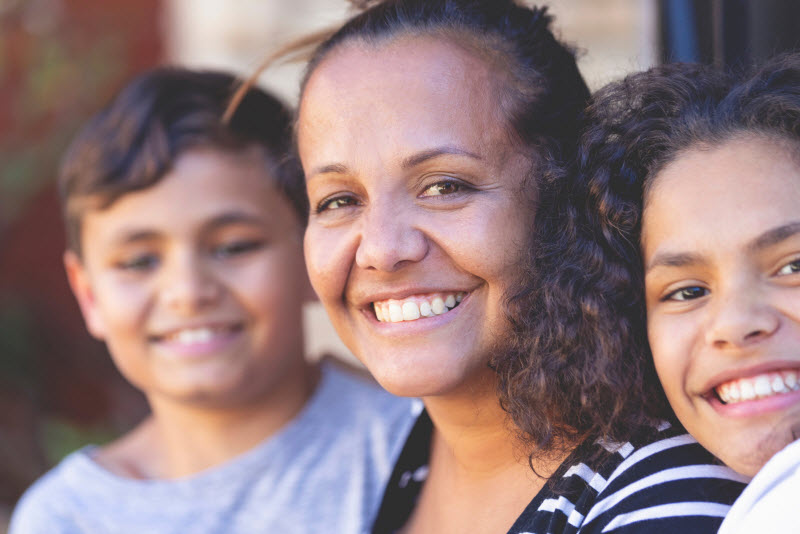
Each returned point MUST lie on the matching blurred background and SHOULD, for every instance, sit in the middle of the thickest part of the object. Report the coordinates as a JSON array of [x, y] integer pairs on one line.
[[61, 60]]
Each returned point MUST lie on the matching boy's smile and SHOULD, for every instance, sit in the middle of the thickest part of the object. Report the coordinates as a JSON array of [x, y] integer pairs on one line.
[[721, 246], [196, 283]]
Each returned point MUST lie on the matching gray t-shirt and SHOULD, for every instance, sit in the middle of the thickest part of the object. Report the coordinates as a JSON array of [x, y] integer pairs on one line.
[[324, 472]]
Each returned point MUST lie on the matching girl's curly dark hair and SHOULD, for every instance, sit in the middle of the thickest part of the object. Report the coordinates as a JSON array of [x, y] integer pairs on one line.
[[581, 367]]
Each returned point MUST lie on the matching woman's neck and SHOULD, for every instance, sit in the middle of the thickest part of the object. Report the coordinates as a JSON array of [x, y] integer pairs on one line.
[[479, 477]]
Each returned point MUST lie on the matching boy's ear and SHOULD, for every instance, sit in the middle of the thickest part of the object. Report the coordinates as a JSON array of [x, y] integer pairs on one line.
[[82, 289]]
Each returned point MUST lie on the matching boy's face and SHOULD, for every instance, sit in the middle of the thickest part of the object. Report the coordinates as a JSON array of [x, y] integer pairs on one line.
[[196, 284], [721, 245]]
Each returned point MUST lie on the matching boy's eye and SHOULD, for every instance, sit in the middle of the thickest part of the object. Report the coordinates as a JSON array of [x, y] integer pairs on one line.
[[144, 262], [687, 293], [790, 268], [236, 248], [445, 187], [336, 203]]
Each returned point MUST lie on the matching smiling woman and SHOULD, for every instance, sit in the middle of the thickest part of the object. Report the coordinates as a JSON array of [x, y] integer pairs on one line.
[[424, 130]]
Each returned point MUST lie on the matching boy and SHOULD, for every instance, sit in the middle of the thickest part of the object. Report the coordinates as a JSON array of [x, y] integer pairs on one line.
[[185, 256]]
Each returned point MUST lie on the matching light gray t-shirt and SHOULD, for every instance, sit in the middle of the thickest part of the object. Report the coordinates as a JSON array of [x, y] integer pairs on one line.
[[324, 472]]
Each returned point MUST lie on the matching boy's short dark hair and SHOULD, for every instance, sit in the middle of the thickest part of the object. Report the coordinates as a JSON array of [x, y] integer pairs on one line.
[[134, 141]]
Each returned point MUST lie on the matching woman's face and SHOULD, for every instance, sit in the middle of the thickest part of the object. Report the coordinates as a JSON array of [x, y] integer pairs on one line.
[[417, 215], [721, 243]]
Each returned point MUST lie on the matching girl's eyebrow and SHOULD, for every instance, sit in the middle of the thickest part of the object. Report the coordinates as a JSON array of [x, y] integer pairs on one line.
[[767, 239], [774, 236], [673, 259]]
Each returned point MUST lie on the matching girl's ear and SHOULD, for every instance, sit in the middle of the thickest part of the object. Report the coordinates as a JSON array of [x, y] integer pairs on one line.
[[80, 283]]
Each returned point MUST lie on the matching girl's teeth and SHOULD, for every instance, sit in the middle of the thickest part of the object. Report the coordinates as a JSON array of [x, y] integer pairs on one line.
[[758, 387], [762, 387], [437, 305], [379, 313], [450, 302], [778, 386]]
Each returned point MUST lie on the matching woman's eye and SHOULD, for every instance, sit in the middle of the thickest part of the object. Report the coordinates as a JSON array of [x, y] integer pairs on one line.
[[790, 268], [442, 188], [335, 203], [144, 262], [687, 293], [236, 248]]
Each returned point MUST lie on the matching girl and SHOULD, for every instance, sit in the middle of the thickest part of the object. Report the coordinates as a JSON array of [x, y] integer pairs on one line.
[[692, 183]]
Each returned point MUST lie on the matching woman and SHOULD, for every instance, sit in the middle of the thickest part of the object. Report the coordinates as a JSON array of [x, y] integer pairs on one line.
[[692, 181], [423, 128]]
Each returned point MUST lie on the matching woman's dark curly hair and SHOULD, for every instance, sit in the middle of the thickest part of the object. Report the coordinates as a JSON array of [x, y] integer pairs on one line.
[[581, 341]]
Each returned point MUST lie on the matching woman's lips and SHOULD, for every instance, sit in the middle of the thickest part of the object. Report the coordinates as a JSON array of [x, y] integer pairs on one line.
[[416, 306]]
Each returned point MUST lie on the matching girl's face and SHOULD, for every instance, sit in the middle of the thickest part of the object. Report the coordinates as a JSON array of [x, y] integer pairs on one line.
[[721, 244], [417, 217]]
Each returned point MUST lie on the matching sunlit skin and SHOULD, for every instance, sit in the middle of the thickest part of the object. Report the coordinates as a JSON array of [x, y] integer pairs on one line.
[[721, 245], [410, 195], [196, 285], [416, 191]]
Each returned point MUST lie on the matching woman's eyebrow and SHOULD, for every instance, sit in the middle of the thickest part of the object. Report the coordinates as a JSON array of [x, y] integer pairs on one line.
[[425, 155], [774, 236]]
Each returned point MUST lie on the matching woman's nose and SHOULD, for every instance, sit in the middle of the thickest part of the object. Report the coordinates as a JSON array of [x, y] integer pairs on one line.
[[741, 316], [389, 239], [189, 285]]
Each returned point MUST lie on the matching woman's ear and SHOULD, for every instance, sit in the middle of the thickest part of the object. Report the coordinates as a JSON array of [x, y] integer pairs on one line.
[[80, 283]]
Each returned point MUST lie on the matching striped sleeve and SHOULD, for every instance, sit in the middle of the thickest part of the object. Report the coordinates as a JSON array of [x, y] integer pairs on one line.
[[669, 485]]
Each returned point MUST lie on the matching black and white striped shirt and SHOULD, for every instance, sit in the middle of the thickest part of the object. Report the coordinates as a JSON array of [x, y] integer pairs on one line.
[[668, 485]]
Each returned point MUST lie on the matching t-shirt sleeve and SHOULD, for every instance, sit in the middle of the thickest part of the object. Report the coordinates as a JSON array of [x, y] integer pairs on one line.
[[38, 511], [671, 485]]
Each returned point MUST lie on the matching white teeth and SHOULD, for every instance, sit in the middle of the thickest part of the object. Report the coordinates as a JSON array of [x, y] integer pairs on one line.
[[415, 307], [762, 386], [425, 309], [791, 379], [747, 391], [758, 387], [410, 311], [437, 305], [777, 385], [190, 337], [395, 313]]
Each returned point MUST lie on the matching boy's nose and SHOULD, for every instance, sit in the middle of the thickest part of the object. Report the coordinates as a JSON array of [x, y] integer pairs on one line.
[[740, 318], [189, 285], [389, 238]]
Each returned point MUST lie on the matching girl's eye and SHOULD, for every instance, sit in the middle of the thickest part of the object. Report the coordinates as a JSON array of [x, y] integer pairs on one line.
[[335, 203], [236, 248], [442, 188], [144, 262], [687, 293], [790, 268]]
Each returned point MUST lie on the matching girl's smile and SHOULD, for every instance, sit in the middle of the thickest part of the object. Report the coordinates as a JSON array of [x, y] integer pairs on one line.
[[721, 246]]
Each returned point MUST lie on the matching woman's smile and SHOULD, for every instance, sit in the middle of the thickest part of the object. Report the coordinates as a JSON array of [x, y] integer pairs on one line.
[[417, 221]]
